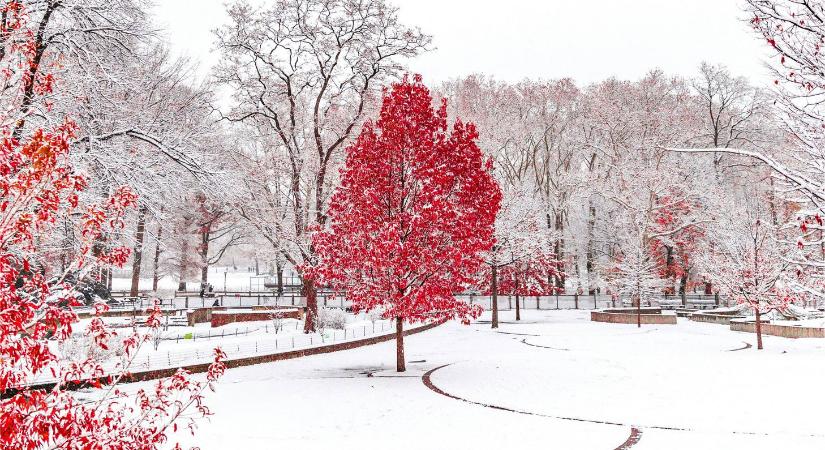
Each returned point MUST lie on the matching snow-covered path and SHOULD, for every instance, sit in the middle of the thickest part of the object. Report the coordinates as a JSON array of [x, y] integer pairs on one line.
[[561, 373]]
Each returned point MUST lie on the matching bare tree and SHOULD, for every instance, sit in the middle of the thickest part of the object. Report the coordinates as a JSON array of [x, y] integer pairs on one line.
[[305, 71]]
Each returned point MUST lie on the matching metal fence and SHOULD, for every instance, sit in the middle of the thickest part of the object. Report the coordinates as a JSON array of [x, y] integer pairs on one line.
[[505, 302]]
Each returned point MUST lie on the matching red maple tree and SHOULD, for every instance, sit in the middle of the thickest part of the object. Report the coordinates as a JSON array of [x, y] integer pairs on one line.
[[414, 212], [38, 185]]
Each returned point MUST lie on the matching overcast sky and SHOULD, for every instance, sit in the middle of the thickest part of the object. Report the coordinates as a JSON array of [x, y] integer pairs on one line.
[[587, 40]]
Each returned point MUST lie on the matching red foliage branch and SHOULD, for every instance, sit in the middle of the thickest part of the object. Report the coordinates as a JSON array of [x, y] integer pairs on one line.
[[38, 185]]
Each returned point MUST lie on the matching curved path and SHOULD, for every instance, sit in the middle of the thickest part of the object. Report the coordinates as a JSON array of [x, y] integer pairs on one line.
[[524, 341], [635, 433], [747, 346], [609, 390]]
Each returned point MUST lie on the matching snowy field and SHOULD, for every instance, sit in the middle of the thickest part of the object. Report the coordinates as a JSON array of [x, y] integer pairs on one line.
[[185, 345], [568, 382]]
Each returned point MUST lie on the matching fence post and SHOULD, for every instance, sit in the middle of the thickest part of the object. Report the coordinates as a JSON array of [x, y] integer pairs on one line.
[[576, 299], [595, 303], [557, 300]]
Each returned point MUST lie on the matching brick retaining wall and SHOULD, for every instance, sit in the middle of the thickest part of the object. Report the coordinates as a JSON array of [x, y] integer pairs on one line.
[[269, 308], [220, 318], [647, 319], [201, 315], [786, 331], [721, 319]]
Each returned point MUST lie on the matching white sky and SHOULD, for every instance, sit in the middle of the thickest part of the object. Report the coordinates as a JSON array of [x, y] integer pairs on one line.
[[587, 40]]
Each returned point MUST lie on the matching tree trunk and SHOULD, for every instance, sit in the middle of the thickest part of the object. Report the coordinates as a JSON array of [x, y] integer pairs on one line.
[[183, 268], [591, 224], [400, 364], [311, 294], [494, 282], [758, 329], [257, 268], [639, 311], [156, 262], [518, 309], [204, 257], [280, 272], [138, 257], [559, 250]]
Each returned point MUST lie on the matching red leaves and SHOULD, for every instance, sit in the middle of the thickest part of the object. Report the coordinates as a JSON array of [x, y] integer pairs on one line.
[[415, 209], [38, 186]]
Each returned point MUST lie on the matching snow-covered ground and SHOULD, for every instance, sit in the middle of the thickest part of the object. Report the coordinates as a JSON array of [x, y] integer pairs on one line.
[[685, 386], [185, 345]]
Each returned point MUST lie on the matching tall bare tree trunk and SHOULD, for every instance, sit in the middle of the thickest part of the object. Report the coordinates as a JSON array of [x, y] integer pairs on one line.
[[518, 308], [758, 329], [558, 249], [591, 225], [683, 286], [279, 270], [400, 363], [311, 294], [494, 283], [204, 250], [156, 262], [137, 260], [184, 263]]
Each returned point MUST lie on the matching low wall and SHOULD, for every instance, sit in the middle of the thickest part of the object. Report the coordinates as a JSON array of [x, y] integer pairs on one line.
[[201, 315], [721, 319], [644, 310], [220, 318], [628, 318], [684, 312], [786, 331], [290, 308]]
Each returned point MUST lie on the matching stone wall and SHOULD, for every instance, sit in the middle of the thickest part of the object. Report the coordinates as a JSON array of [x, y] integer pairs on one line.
[[270, 308], [787, 331], [721, 319], [201, 315], [220, 318], [628, 318]]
